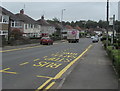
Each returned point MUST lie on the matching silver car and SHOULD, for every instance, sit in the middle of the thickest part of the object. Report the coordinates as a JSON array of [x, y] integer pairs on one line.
[[95, 39]]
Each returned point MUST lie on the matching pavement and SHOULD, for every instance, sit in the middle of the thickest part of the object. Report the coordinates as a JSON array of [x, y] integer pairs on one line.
[[94, 71]]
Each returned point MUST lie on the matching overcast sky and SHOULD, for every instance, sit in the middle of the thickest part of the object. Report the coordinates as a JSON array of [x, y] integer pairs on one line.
[[75, 11]]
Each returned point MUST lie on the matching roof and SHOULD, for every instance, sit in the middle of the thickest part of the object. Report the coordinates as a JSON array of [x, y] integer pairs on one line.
[[43, 22], [68, 27], [78, 28], [6, 12], [57, 25], [25, 18]]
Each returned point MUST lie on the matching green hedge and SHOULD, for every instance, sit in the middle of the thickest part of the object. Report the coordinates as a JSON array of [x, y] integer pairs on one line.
[[106, 42], [114, 54]]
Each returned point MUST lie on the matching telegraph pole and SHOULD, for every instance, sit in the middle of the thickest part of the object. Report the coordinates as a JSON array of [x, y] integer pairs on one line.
[[113, 27], [107, 21], [61, 23]]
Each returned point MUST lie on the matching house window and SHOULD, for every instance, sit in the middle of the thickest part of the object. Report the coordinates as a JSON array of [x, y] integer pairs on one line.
[[25, 26], [0, 18], [12, 24], [31, 26], [5, 19], [35, 26], [17, 23]]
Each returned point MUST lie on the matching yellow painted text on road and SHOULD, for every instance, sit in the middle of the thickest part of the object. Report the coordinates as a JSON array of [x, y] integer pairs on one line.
[[62, 71], [69, 65], [47, 64]]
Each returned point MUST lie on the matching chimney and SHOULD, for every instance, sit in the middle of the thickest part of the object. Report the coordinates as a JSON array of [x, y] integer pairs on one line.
[[42, 17], [21, 11]]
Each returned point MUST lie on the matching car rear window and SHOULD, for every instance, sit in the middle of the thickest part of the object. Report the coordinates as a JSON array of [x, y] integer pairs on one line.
[[45, 38]]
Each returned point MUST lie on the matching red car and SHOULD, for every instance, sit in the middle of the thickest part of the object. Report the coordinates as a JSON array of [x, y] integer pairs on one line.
[[46, 40]]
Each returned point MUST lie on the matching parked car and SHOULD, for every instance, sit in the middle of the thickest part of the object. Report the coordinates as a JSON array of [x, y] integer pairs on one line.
[[46, 40], [95, 39], [88, 36], [92, 37]]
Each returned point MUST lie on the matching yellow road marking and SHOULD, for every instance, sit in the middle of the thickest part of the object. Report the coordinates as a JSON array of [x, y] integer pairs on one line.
[[44, 84], [4, 71], [9, 72], [69, 65], [19, 49], [49, 86], [44, 76], [36, 59], [23, 63], [62, 71]]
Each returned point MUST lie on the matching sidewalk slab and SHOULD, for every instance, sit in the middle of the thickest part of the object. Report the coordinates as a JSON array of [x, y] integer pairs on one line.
[[93, 71]]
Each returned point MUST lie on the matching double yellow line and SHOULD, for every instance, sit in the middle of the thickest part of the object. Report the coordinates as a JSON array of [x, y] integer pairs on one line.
[[61, 72]]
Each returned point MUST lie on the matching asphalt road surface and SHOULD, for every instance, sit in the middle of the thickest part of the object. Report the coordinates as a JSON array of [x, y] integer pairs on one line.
[[37, 67]]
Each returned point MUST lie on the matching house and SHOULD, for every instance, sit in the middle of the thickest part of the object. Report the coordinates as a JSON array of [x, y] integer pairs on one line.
[[46, 28], [29, 26], [9, 22], [4, 23]]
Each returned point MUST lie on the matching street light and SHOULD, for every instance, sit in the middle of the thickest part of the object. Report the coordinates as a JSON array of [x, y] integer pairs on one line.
[[61, 22]]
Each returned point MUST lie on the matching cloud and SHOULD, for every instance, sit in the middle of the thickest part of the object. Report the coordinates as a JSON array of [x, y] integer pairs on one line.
[[74, 10]]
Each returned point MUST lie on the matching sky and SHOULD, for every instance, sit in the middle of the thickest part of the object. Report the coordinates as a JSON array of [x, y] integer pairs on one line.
[[74, 11]]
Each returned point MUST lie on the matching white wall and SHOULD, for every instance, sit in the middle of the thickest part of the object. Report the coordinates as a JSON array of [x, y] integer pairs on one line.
[[32, 31], [48, 29]]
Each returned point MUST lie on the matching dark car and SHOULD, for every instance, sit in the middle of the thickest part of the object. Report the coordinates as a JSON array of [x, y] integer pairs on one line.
[[46, 40]]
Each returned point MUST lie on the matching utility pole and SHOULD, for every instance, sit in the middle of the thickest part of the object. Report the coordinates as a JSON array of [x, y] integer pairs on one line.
[[107, 21], [61, 23], [113, 27]]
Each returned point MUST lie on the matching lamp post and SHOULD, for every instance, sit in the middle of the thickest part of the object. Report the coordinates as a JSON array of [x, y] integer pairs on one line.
[[61, 22]]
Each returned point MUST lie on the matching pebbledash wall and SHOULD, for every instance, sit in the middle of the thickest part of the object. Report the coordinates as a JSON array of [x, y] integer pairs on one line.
[[119, 10]]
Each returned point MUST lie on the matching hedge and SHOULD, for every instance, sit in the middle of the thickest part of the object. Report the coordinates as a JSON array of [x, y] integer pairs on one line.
[[114, 54]]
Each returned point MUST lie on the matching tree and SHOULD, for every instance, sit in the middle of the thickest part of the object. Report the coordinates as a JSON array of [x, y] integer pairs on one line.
[[56, 20], [16, 33]]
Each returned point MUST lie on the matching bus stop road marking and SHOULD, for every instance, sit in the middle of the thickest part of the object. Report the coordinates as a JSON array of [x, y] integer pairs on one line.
[[4, 71], [62, 71]]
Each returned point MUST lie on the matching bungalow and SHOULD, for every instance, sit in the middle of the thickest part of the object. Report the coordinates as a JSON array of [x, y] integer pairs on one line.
[[29, 26], [46, 28]]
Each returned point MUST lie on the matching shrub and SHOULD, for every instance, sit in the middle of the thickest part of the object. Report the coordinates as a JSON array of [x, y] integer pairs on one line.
[[105, 42], [117, 62], [105, 38], [114, 54], [116, 57]]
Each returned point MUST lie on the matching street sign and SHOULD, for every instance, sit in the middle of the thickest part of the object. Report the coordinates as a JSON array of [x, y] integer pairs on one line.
[[111, 21]]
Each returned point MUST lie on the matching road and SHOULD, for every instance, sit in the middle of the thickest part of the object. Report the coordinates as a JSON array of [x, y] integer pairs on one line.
[[39, 66]]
